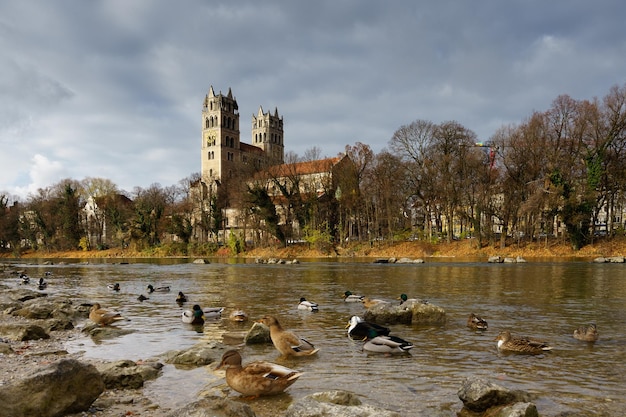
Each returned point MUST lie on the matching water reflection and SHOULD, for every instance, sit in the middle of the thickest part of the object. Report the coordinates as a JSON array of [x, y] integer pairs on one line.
[[545, 300]]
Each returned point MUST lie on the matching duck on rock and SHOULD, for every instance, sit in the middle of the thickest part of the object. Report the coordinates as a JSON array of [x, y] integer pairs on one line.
[[286, 342], [256, 378], [103, 317]]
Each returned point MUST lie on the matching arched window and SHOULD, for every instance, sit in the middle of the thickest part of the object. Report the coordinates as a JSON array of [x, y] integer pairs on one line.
[[206, 123]]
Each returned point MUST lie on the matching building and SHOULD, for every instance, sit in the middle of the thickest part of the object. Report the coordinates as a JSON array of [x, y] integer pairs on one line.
[[222, 149]]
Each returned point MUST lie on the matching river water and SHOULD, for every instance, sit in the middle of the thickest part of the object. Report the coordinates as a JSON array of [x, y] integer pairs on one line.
[[545, 300]]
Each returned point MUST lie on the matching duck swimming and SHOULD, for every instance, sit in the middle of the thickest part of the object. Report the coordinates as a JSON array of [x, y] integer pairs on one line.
[[525, 345], [348, 297], [386, 344], [307, 305], [286, 342], [42, 284], [114, 287], [587, 333], [359, 328], [213, 313], [142, 298], [103, 317], [238, 315], [476, 323], [152, 289], [256, 378], [181, 298], [193, 316]]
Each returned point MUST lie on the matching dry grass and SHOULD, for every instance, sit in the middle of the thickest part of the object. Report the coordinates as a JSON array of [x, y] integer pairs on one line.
[[414, 249]]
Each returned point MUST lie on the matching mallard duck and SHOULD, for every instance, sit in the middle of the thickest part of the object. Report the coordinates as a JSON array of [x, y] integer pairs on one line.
[[307, 305], [256, 378], [238, 315], [181, 298], [385, 344], [152, 289], [25, 278], [287, 342], [142, 298], [348, 297], [213, 313], [48, 273], [526, 345], [404, 298], [193, 316], [114, 287], [587, 333], [476, 323], [103, 317], [357, 327], [42, 284], [371, 302]]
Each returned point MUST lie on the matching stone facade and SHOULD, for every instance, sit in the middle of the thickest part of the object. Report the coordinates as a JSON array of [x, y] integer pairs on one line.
[[222, 149]]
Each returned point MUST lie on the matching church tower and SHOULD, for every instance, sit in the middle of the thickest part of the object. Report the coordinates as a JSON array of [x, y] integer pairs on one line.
[[220, 135], [267, 134]]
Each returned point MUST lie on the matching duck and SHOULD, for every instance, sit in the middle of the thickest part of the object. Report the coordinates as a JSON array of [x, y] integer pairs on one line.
[[371, 302], [193, 316], [238, 315], [587, 333], [348, 297], [42, 284], [476, 323], [385, 344], [357, 327], [181, 298], [48, 273], [25, 278], [213, 313], [307, 305], [506, 342], [152, 289], [404, 298], [103, 317], [142, 298], [256, 378], [286, 342], [114, 287]]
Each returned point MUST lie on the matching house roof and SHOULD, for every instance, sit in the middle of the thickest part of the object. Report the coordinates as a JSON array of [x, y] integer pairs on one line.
[[301, 168]]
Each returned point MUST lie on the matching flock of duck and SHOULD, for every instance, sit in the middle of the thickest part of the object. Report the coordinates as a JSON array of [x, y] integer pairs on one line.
[[42, 284], [261, 378]]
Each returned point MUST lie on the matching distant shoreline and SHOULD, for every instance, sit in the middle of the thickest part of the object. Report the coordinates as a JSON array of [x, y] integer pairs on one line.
[[413, 250]]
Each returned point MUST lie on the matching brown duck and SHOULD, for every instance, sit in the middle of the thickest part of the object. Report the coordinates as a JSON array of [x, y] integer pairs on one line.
[[287, 342], [103, 317], [587, 333], [256, 378], [526, 345], [476, 323]]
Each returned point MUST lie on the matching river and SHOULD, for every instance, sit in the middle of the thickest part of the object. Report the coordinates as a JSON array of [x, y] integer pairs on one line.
[[546, 300]]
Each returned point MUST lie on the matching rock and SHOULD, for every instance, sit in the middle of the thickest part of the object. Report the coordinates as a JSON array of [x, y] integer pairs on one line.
[[479, 395], [410, 261], [14, 297], [64, 387], [518, 410], [126, 374], [200, 354], [519, 260], [411, 312], [600, 260], [258, 334], [495, 260], [334, 403], [214, 407], [616, 259], [104, 332], [201, 261], [22, 332]]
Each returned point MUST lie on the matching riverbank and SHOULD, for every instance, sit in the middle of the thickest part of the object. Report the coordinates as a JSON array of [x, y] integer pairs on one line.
[[415, 249]]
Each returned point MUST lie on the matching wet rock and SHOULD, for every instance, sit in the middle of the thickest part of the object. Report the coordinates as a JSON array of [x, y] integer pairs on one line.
[[200, 354], [15, 296], [411, 312], [104, 332], [64, 387], [22, 332], [518, 410], [335, 403], [214, 407], [258, 334], [478, 395], [201, 261], [126, 374], [495, 260], [410, 261]]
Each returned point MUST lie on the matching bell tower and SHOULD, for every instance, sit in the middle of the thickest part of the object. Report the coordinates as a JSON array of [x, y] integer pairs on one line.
[[220, 135], [267, 134]]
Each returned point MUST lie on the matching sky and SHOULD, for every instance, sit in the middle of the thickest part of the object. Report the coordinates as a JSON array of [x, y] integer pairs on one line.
[[113, 89]]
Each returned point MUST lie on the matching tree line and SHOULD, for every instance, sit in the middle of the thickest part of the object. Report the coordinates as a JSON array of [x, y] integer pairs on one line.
[[561, 173]]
